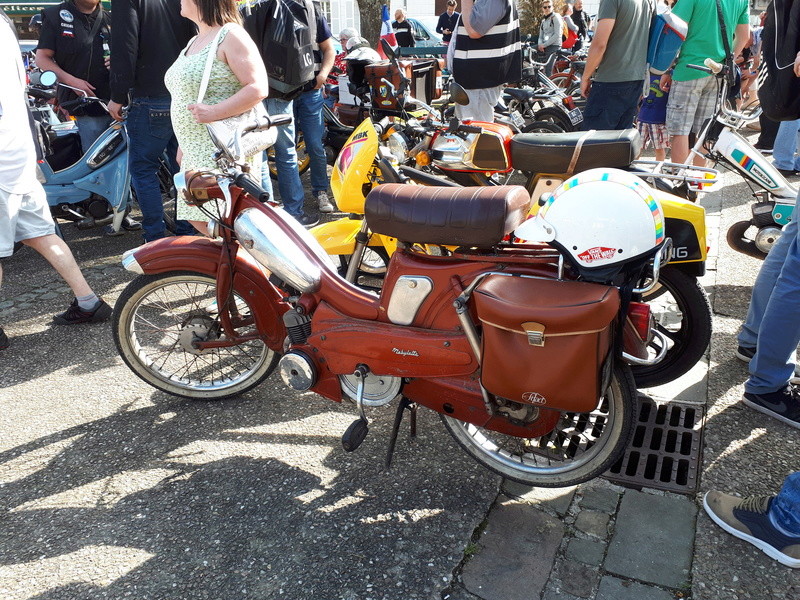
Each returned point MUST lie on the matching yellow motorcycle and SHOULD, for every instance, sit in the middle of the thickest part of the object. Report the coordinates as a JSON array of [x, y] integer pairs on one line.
[[372, 155]]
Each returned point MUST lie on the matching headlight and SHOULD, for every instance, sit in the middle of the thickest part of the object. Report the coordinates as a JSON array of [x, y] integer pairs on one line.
[[398, 146]]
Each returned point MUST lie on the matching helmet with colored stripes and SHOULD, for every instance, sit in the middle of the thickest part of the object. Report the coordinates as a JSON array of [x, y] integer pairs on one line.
[[598, 219]]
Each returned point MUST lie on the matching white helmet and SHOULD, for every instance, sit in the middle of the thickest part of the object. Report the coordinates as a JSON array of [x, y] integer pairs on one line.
[[598, 219]]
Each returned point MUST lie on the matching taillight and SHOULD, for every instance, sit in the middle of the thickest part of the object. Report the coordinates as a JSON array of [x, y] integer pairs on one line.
[[639, 314], [569, 102]]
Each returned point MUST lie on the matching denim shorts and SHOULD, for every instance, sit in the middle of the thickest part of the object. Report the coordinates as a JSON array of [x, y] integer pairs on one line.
[[690, 104]]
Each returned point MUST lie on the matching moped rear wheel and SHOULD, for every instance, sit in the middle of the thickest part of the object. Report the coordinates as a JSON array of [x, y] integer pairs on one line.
[[581, 447], [155, 321]]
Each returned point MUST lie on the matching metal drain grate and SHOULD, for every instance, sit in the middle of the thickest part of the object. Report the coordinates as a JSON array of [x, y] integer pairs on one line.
[[665, 450]]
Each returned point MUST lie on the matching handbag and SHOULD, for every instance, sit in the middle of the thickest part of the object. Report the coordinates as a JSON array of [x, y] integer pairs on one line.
[[225, 129]]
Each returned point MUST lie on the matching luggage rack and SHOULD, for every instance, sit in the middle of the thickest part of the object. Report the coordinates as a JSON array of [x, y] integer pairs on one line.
[[699, 179]]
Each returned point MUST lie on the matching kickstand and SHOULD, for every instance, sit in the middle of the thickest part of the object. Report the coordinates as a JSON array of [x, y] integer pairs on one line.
[[405, 405]]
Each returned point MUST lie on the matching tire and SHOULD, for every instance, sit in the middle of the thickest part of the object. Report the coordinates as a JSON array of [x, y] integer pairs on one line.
[[303, 159], [542, 127], [563, 80], [612, 421], [151, 326], [683, 313], [167, 187], [556, 116]]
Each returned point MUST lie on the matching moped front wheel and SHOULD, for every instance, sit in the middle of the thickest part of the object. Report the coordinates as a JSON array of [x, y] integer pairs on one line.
[[580, 447], [158, 318]]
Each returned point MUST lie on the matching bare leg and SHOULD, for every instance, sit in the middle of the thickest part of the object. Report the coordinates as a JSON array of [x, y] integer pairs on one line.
[[679, 145], [661, 154], [60, 256]]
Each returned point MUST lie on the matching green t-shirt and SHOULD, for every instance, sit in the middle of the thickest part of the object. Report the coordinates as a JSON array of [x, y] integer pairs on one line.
[[626, 53], [704, 39]]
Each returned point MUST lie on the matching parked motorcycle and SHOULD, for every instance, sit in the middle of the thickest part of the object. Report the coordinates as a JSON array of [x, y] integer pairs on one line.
[[721, 142], [527, 368], [91, 187]]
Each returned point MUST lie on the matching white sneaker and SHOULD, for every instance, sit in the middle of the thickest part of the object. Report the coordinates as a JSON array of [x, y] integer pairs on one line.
[[324, 203]]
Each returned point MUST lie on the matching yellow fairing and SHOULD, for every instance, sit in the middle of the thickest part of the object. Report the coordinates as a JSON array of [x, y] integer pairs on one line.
[[687, 246], [352, 168], [339, 237]]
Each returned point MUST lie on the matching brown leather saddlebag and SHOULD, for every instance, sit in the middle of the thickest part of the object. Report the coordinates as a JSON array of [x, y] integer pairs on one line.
[[545, 341]]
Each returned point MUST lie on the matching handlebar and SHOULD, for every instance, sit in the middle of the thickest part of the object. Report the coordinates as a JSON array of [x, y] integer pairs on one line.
[[269, 121]]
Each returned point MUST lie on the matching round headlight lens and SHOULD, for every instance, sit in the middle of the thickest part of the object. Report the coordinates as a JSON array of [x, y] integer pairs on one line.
[[398, 146]]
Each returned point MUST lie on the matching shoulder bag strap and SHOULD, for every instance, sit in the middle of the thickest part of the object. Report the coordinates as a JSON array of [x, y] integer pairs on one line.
[[728, 56], [98, 21], [212, 52]]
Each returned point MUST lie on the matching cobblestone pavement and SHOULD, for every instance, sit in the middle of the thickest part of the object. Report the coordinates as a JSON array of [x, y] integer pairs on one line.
[[109, 489]]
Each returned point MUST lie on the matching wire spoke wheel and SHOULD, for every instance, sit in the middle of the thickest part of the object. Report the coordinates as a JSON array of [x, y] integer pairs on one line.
[[159, 319], [580, 447]]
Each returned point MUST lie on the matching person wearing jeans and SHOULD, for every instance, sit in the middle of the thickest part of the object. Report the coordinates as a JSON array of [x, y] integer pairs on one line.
[[289, 185], [150, 134], [771, 523], [784, 149], [309, 119], [618, 55], [771, 332], [148, 36]]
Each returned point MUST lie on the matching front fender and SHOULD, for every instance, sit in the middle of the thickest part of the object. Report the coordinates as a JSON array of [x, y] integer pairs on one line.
[[202, 255]]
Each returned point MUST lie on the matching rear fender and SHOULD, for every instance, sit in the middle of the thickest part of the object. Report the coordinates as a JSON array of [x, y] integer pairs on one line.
[[685, 223], [201, 255]]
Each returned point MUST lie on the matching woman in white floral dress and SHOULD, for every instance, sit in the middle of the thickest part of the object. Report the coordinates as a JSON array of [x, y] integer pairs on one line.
[[238, 82]]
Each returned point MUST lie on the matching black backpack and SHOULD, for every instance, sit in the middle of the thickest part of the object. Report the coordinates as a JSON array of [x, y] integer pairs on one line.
[[779, 94], [285, 32]]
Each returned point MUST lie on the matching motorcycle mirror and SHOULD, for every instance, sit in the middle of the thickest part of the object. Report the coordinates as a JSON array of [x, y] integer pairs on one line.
[[48, 79], [388, 50], [458, 94]]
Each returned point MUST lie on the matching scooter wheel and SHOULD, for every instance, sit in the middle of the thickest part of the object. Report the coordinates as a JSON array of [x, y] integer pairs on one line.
[[569, 454], [741, 243], [158, 319], [683, 313]]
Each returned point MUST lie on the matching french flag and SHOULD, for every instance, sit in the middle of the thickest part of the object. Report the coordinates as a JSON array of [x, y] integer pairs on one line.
[[386, 30]]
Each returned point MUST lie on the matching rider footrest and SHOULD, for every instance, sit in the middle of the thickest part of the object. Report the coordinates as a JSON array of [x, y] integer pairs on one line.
[[355, 435]]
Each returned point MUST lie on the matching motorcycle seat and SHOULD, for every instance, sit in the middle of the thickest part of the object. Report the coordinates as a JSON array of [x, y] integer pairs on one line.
[[552, 152], [476, 217], [519, 94]]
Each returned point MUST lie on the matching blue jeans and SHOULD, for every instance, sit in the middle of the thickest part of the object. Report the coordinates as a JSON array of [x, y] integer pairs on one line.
[[784, 150], [90, 128], [309, 119], [772, 326], [785, 508], [612, 105], [286, 162], [150, 134]]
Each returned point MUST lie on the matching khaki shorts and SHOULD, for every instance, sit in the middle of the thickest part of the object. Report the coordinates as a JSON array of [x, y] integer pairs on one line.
[[690, 104], [23, 217]]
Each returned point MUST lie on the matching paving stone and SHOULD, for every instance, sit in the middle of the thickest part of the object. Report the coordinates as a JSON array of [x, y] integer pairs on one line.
[[49, 296], [593, 522], [516, 553], [558, 595], [577, 579], [586, 551], [6, 304], [653, 539], [556, 499], [602, 499], [612, 588]]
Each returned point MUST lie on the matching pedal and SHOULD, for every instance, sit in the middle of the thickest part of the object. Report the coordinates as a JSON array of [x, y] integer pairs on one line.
[[355, 435]]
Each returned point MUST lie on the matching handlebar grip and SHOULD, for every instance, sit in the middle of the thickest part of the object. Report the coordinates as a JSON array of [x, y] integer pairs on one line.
[[279, 120], [469, 129], [252, 187], [703, 69], [713, 65]]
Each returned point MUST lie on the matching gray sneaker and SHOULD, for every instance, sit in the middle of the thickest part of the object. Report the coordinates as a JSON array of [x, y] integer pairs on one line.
[[324, 203]]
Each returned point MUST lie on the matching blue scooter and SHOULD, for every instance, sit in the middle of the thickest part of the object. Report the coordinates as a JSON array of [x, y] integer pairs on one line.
[[91, 187]]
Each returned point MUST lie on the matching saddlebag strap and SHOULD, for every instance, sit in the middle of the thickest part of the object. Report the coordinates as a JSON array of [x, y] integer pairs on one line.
[[577, 152]]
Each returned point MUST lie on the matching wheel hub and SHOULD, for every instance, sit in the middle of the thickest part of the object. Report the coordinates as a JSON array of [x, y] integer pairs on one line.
[[198, 329], [766, 237]]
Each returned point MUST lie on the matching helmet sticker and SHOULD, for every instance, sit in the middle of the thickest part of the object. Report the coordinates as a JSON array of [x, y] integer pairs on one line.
[[598, 253]]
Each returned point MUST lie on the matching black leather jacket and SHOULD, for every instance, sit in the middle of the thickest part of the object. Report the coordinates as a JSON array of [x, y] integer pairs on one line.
[[148, 36]]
